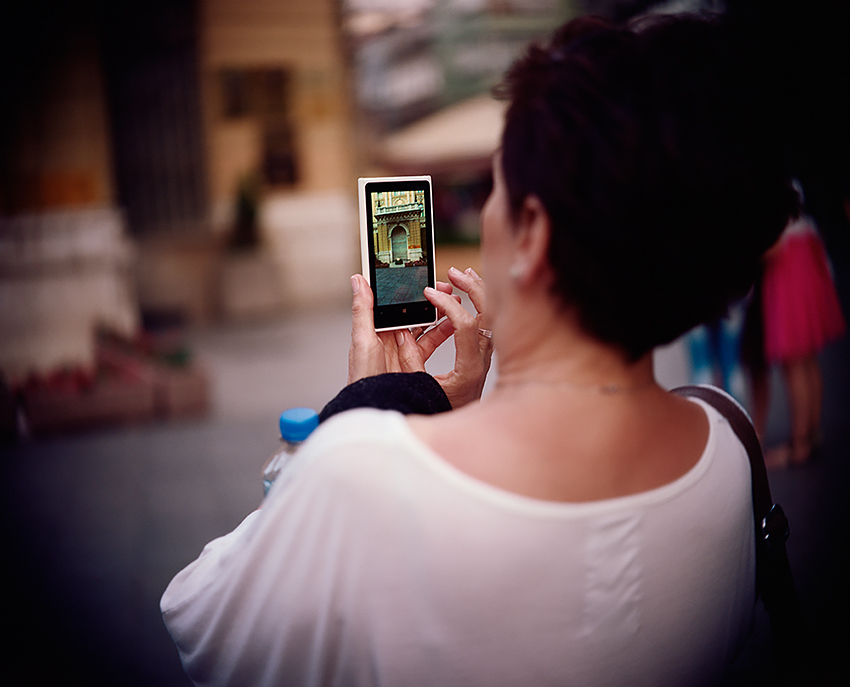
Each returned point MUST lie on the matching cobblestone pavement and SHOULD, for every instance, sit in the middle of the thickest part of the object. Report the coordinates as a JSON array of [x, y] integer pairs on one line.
[[401, 284]]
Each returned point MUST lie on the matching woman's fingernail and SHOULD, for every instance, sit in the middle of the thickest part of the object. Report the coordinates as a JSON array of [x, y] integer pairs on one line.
[[472, 273], [455, 270], [355, 285], [399, 337]]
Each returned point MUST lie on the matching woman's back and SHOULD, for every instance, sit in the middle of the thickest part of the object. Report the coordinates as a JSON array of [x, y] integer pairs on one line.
[[421, 574]]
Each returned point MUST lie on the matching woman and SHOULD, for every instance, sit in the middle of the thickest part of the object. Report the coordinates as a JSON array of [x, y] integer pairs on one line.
[[801, 316], [577, 525]]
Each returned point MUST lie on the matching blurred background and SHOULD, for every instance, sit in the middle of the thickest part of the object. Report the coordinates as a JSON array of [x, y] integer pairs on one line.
[[178, 222]]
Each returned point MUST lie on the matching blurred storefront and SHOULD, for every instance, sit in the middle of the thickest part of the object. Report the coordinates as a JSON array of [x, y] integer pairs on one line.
[[168, 109], [167, 163]]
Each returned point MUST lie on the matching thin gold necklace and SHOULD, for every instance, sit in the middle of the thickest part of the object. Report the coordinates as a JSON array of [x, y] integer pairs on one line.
[[606, 389]]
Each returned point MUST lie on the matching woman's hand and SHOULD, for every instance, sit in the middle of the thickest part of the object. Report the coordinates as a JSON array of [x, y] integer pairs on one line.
[[473, 342], [402, 350], [373, 353]]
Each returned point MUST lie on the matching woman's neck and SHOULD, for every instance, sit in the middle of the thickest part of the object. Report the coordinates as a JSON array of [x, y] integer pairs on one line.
[[558, 354]]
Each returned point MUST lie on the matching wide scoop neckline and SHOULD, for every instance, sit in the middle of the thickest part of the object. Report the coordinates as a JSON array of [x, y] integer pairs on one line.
[[474, 486]]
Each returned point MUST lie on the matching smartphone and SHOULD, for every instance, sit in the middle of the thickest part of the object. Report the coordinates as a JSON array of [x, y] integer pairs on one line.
[[397, 248]]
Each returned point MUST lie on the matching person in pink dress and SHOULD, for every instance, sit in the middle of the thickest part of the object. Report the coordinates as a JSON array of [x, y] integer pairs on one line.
[[802, 314]]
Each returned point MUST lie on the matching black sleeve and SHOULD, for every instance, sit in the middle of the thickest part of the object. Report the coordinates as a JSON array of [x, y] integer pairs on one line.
[[407, 392]]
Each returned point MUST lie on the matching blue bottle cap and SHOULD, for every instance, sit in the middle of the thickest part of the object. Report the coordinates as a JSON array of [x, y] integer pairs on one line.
[[297, 423]]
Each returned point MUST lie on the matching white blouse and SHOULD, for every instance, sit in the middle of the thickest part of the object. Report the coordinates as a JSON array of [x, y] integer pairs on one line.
[[375, 562]]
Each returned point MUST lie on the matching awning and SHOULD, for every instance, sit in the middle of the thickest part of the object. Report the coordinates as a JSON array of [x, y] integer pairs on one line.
[[462, 136]]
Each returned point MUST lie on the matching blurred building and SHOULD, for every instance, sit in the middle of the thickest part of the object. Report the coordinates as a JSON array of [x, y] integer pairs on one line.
[[190, 159], [398, 218], [414, 57], [424, 70], [186, 157]]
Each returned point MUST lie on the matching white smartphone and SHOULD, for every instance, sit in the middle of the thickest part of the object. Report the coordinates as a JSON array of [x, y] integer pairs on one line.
[[397, 248]]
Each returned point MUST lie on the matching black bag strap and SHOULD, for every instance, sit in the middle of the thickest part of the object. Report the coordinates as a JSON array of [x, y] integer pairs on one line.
[[774, 581]]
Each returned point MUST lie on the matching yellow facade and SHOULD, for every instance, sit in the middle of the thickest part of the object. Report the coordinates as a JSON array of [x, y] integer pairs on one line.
[[308, 223], [303, 40], [398, 224]]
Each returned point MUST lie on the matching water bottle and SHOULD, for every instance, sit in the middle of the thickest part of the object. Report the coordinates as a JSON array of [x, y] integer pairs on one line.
[[295, 426]]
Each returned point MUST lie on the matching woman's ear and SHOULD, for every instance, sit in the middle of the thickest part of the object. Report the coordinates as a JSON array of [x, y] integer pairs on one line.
[[531, 247]]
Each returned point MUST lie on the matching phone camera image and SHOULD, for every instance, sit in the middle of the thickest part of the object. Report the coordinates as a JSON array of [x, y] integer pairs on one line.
[[397, 247], [401, 268]]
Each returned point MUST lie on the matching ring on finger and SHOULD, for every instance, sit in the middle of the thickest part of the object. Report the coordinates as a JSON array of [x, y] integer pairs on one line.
[[486, 333]]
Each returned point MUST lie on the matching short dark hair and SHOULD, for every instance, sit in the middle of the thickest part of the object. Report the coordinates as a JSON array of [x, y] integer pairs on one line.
[[654, 157]]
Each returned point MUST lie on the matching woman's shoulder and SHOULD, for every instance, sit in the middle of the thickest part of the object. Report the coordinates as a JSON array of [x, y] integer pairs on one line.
[[359, 437], [349, 460], [359, 424]]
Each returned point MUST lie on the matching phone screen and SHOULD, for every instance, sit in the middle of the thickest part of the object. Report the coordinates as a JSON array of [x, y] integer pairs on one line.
[[397, 248]]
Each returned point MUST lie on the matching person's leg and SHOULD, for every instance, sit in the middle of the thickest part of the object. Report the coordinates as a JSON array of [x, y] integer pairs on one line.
[[803, 406], [816, 401]]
